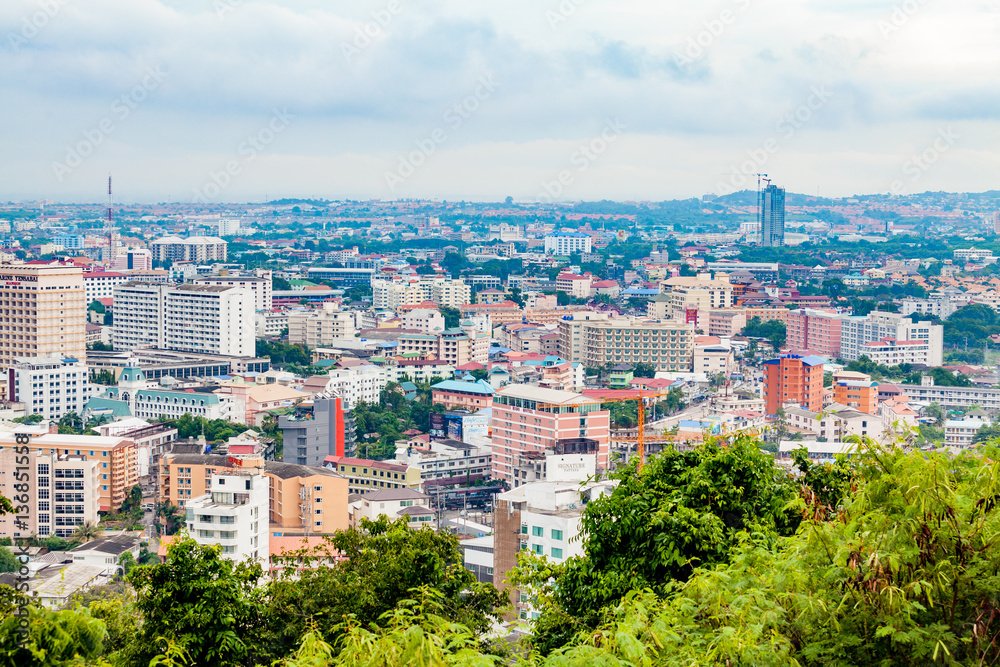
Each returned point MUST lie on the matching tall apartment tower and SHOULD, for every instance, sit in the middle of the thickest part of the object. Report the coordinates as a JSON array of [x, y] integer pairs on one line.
[[772, 217], [43, 312]]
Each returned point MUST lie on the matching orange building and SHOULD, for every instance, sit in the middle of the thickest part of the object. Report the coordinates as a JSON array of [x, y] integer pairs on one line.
[[118, 467], [856, 390], [303, 499], [793, 379]]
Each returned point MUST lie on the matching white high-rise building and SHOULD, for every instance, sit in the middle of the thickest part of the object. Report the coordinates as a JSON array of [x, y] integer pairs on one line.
[[49, 386], [210, 319], [259, 286], [855, 332], [235, 512], [321, 327], [567, 243]]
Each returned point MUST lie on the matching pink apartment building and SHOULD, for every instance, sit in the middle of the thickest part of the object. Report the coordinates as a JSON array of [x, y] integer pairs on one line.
[[533, 419], [817, 331]]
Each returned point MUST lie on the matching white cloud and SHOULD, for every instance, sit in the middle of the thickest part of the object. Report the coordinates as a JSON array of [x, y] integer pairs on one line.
[[691, 111]]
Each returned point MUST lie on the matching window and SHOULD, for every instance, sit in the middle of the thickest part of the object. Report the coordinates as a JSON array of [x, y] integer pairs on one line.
[[556, 552], [538, 531], [538, 549], [557, 534]]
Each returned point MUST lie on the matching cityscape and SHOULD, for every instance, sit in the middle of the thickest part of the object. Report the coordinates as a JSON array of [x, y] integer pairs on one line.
[[471, 404]]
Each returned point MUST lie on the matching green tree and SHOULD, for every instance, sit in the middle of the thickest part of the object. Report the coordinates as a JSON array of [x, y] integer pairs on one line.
[[773, 330], [54, 638], [8, 562], [935, 412], [85, 533], [386, 563], [126, 562], [987, 432], [644, 370], [207, 603], [683, 510], [452, 316]]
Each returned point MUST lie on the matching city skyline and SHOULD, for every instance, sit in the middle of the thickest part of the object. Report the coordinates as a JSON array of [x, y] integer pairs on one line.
[[238, 101]]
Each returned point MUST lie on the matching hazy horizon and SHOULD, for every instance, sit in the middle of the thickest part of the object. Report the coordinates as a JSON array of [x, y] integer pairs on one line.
[[238, 100]]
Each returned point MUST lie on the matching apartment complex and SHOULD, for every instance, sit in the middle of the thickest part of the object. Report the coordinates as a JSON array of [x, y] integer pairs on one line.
[[302, 499], [234, 514], [329, 430], [793, 379], [837, 335], [702, 292], [322, 327], [814, 330], [856, 390], [594, 339], [63, 493], [451, 293], [567, 243], [193, 249], [117, 465], [43, 311], [890, 352], [49, 386], [365, 475], [101, 284], [209, 319], [455, 347], [259, 286], [531, 419]]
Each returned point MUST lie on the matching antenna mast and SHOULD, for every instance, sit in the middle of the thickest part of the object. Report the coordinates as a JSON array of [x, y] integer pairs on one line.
[[109, 224]]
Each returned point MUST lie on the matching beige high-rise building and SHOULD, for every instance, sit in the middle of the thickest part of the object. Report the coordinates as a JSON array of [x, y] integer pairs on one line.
[[43, 312], [594, 339]]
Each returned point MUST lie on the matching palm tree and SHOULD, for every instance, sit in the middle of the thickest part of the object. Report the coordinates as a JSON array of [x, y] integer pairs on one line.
[[172, 517], [85, 533]]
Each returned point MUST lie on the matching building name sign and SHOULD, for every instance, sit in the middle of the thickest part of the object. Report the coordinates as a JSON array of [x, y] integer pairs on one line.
[[22, 279]]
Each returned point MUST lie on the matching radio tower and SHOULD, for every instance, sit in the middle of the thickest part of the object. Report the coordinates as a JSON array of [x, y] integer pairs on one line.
[[109, 226]]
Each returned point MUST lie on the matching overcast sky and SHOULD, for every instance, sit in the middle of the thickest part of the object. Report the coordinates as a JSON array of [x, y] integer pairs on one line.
[[237, 100]]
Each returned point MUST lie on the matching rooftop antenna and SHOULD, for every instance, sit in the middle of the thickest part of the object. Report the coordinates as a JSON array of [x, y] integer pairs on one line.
[[109, 224]]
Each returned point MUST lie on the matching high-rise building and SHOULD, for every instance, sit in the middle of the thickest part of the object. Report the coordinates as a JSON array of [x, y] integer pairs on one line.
[[43, 312], [329, 431], [210, 319], [63, 494], [193, 249], [531, 419], [772, 217], [322, 327], [567, 243], [235, 513], [49, 386], [117, 466], [260, 286], [793, 379], [594, 339]]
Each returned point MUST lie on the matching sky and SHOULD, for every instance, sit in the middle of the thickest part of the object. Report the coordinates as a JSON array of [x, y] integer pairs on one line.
[[539, 100]]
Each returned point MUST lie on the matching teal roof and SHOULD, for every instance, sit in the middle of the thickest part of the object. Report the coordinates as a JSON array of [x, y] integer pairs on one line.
[[172, 397], [132, 374], [108, 406], [478, 387]]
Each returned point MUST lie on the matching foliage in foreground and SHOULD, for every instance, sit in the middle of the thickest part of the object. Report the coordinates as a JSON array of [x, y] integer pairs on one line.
[[891, 559]]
